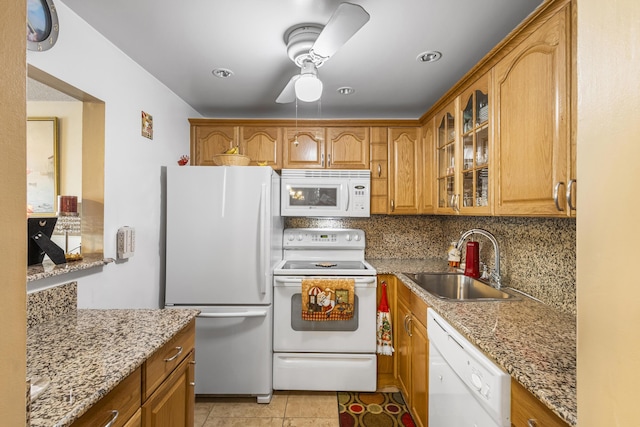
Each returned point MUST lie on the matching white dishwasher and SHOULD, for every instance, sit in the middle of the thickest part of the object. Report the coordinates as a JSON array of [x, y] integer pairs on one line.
[[466, 389]]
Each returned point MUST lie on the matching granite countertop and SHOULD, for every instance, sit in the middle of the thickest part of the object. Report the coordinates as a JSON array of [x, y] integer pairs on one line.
[[533, 342], [88, 352], [49, 269]]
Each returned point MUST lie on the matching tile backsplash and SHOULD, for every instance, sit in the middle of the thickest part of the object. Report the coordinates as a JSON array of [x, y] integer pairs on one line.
[[537, 255]]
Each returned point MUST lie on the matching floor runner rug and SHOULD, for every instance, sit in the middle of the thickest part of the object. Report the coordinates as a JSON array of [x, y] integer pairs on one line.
[[373, 410]]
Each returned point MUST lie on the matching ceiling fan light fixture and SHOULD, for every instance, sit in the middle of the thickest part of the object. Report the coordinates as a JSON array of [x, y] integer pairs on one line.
[[308, 88], [429, 56], [346, 90], [222, 73]]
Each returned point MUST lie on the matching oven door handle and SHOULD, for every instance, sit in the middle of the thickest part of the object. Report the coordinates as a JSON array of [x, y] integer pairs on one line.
[[361, 282]]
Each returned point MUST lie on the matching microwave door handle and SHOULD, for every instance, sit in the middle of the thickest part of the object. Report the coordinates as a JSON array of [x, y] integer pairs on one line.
[[345, 193]]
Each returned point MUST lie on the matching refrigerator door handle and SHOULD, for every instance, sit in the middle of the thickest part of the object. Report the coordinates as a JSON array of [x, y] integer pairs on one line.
[[262, 238], [259, 313]]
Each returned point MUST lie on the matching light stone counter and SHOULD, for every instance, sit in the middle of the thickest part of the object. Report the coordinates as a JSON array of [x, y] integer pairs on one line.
[[88, 352], [533, 342]]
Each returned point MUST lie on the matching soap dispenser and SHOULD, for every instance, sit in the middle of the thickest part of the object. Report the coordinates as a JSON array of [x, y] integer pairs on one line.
[[472, 260]]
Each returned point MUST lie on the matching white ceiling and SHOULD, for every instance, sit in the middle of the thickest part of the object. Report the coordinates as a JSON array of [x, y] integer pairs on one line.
[[181, 42]]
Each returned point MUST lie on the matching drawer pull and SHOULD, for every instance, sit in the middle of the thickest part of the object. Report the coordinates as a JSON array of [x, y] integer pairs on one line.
[[175, 356], [114, 417], [192, 384], [532, 422]]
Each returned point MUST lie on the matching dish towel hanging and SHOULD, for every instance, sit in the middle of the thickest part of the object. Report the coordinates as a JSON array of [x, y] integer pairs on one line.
[[327, 299], [384, 335]]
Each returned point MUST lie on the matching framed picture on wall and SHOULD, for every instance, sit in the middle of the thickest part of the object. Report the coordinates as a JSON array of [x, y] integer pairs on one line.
[[42, 165]]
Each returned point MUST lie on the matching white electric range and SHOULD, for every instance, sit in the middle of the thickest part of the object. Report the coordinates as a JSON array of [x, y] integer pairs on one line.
[[334, 355]]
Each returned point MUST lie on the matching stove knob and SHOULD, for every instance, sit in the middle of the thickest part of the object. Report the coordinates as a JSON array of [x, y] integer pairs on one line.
[[356, 237], [348, 237], [300, 237], [291, 237]]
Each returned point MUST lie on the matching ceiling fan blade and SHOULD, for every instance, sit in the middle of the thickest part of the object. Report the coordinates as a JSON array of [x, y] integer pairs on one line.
[[288, 94], [344, 23]]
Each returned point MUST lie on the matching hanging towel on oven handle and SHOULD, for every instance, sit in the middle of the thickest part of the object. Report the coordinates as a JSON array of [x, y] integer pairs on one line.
[[383, 330]]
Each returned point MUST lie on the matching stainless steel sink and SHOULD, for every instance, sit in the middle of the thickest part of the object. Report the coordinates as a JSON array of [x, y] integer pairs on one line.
[[458, 287]]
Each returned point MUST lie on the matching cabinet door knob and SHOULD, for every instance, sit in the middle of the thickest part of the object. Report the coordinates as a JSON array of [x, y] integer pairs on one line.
[[570, 204], [556, 193], [175, 356], [532, 422], [379, 170], [114, 417], [393, 206]]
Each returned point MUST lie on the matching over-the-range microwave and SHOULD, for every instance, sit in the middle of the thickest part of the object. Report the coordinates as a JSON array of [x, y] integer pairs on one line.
[[322, 193]]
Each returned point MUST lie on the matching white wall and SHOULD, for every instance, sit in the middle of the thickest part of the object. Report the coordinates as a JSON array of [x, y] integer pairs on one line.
[[132, 196]]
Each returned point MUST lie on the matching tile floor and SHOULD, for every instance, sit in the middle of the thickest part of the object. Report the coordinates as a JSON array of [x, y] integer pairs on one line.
[[286, 409]]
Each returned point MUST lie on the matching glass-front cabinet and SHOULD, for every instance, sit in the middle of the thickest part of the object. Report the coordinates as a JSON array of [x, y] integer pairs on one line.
[[474, 177], [446, 160]]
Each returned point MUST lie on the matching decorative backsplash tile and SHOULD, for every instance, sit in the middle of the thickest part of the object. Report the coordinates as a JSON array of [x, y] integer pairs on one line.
[[537, 255], [47, 304]]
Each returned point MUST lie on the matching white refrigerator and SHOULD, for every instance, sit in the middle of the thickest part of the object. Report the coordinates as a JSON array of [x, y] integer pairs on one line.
[[223, 239]]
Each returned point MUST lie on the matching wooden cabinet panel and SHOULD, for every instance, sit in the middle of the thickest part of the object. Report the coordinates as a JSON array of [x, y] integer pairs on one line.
[[136, 420], [427, 173], [386, 364], [172, 404], [262, 144], [403, 348], [404, 158], [527, 411], [304, 148], [124, 398], [348, 148], [419, 373], [532, 136], [379, 170], [207, 141], [166, 359]]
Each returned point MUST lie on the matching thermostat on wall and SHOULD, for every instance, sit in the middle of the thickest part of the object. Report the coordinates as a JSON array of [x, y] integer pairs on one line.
[[126, 242]]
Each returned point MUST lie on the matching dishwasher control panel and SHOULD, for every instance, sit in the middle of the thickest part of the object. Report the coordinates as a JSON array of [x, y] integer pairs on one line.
[[487, 382]]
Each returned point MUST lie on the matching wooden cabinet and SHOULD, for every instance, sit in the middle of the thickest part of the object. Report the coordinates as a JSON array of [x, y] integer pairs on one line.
[[386, 364], [404, 170], [532, 92], [262, 145], [527, 411], [412, 349], [157, 394], [209, 140], [427, 172], [118, 406], [327, 148], [473, 179], [446, 148], [172, 404], [379, 170]]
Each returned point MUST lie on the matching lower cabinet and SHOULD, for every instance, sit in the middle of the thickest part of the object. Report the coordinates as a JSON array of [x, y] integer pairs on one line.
[[413, 353], [527, 411], [160, 393], [172, 404]]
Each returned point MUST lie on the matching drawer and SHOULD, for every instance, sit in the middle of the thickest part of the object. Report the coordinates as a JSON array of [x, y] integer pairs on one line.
[[161, 363], [419, 309], [527, 410], [136, 420], [124, 398], [404, 293]]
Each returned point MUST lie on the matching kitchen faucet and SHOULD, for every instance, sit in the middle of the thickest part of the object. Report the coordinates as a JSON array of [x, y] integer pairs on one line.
[[495, 274]]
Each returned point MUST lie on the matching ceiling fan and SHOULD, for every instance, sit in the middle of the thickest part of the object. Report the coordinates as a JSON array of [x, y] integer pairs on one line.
[[311, 45]]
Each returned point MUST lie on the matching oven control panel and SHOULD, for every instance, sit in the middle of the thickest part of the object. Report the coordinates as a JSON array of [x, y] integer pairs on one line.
[[323, 237]]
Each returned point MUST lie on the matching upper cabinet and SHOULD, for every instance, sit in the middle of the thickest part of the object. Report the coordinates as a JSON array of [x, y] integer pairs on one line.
[[263, 145], [447, 195], [427, 170], [533, 125], [327, 148], [378, 148], [404, 170], [474, 176], [209, 140]]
